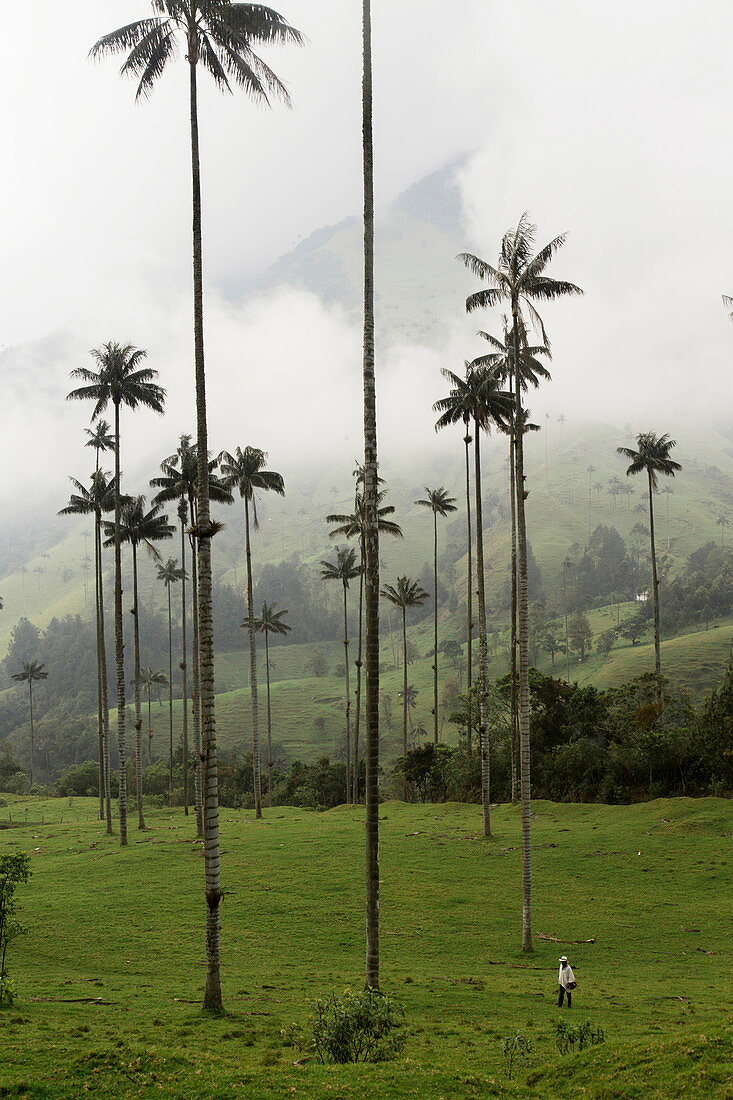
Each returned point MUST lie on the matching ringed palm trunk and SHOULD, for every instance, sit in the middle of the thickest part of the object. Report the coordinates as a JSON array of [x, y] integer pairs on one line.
[[357, 720], [120, 645], [212, 995], [138, 701], [371, 525], [30, 702], [100, 719], [525, 786], [655, 580], [347, 704], [256, 767], [103, 679], [269, 722], [184, 657], [170, 700], [435, 625], [469, 590], [513, 654], [404, 681], [482, 647], [196, 686]]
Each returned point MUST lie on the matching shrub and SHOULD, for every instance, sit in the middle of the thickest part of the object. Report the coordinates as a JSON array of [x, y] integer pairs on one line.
[[568, 1036], [516, 1048], [357, 1027], [8, 991]]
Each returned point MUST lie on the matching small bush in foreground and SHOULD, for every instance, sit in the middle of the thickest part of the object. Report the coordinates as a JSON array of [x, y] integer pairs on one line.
[[356, 1027], [568, 1036], [516, 1048]]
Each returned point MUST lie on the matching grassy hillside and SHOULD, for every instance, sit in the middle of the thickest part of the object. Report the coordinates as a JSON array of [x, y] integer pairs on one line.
[[110, 1006]]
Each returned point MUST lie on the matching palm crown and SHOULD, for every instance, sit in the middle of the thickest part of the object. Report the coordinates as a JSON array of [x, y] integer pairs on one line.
[[98, 498], [438, 500], [478, 396], [120, 380], [245, 470], [269, 621], [140, 528], [344, 569], [217, 33], [170, 572], [652, 456], [501, 359], [406, 593], [31, 672], [353, 524], [180, 476]]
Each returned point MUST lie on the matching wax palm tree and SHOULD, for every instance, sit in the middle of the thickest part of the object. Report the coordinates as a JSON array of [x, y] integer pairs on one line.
[[409, 697], [31, 673], [722, 522], [440, 504], [353, 525], [371, 540], [652, 457], [567, 564], [149, 680], [520, 278], [139, 528], [245, 471], [170, 573], [405, 594], [269, 622], [344, 569], [590, 470], [120, 380], [96, 500], [530, 373], [480, 396], [178, 481], [220, 36]]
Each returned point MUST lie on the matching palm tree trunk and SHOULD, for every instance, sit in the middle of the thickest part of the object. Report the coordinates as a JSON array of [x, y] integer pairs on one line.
[[184, 656], [103, 679], [256, 767], [469, 591], [100, 720], [30, 701], [523, 652], [404, 681], [513, 654], [138, 701], [120, 645], [482, 648], [196, 686], [269, 722], [565, 606], [170, 700], [347, 703], [357, 721], [212, 995], [150, 727], [435, 628], [371, 527], [655, 581]]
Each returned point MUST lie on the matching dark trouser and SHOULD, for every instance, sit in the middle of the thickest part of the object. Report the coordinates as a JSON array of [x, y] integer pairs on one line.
[[563, 991]]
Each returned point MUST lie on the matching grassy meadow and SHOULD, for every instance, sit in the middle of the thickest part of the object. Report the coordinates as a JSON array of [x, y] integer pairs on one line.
[[111, 970]]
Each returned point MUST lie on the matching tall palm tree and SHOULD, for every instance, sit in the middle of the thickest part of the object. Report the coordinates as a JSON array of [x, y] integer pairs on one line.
[[590, 470], [120, 380], [567, 564], [96, 500], [531, 370], [245, 471], [480, 395], [406, 593], [139, 528], [269, 622], [178, 482], [149, 680], [652, 457], [353, 525], [220, 36], [440, 504], [31, 673], [344, 569], [722, 522], [170, 573], [520, 279], [371, 537]]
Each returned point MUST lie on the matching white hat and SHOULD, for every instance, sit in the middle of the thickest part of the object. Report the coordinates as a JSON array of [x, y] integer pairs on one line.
[[563, 958]]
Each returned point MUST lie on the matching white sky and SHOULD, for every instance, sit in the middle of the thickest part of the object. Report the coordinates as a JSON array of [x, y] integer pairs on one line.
[[613, 122]]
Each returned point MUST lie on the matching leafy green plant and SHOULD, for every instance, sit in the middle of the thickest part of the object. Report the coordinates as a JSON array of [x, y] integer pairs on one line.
[[516, 1049], [356, 1027], [569, 1036], [14, 870]]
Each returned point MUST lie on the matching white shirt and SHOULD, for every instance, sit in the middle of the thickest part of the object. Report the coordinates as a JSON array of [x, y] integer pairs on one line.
[[565, 976]]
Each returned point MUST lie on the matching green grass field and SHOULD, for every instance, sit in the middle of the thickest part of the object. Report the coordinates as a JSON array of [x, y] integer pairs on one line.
[[111, 971]]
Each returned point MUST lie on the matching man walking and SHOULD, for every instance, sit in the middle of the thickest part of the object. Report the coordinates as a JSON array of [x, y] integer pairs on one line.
[[566, 982]]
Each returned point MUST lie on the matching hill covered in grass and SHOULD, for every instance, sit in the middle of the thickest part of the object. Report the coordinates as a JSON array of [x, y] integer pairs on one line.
[[635, 896]]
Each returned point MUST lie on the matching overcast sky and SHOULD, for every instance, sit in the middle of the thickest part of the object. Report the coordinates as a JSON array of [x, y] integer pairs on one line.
[[612, 122]]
